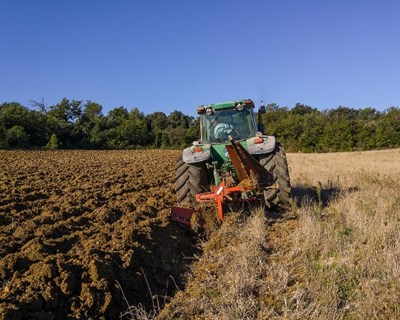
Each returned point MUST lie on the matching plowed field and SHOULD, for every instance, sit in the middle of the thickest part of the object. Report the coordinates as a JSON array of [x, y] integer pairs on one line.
[[74, 224], [76, 227]]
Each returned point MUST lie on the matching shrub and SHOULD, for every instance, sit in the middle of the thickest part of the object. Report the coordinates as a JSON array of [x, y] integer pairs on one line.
[[16, 137], [53, 142]]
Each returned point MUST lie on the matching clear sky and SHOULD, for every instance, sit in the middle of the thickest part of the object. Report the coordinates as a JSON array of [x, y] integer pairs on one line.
[[162, 55]]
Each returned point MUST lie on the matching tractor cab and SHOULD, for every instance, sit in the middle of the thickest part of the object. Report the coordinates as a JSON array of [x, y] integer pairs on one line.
[[219, 121]]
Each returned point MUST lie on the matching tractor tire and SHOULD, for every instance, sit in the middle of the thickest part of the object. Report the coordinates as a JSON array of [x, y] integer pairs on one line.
[[190, 180], [276, 163]]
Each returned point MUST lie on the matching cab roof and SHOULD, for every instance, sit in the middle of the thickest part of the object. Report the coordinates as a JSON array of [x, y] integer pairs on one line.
[[230, 104]]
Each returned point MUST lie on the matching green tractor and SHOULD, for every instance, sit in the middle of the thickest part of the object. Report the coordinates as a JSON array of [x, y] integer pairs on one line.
[[233, 160]]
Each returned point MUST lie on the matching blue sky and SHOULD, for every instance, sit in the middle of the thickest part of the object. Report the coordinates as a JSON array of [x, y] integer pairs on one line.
[[162, 55]]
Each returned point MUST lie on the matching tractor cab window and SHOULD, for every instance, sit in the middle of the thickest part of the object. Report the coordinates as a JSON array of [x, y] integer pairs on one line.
[[218, 126]]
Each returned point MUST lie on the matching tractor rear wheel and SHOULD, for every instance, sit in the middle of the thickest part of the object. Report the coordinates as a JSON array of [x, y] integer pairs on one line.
[[276, 163], [190, 180]]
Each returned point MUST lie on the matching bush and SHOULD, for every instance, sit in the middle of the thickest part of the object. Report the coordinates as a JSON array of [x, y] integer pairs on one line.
[[53, 142], [16, 137]]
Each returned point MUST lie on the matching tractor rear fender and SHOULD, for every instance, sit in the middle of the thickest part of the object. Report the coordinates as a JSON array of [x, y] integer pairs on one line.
[[254, 146], [196, 153]]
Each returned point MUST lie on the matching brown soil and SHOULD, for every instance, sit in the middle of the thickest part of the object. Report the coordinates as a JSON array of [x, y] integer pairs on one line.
[[74, 224]]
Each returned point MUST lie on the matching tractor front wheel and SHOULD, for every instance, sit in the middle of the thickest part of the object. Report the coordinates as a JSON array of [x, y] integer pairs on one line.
[[190, 180], [276, 163]]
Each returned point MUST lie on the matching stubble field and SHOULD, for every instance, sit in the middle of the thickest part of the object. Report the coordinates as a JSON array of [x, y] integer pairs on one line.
[[76, 227], [334, 255]]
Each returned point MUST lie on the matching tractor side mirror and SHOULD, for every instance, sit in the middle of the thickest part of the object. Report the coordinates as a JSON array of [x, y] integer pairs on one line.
[[260, 125], [193, 122], [190, 121]]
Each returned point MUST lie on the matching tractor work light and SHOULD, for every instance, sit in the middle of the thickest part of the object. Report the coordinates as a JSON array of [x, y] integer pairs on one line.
[[239, 107], [209, 111], [201, 110]]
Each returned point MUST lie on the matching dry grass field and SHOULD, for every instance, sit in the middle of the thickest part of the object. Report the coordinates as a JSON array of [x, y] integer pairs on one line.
[[336, 255], [77, 226]]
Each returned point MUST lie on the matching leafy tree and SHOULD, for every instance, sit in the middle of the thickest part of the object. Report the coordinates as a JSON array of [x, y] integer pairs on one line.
[[192, 133], [61, 119], [302, 109], [116, 116], [68, 111], [33, 123], [388, 129], [272, 107], [368, 114], [177, 119], [339, 136], [126, 130], [37, 128], [174, 137], [134, 129], [313, 127], [90, 125], [16, 137], [342, 113], [366, 137], [156, 123], [273, 119]]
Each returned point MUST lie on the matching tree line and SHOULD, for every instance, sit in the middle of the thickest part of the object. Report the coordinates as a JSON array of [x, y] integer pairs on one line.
[[308, 129], [73, 124]]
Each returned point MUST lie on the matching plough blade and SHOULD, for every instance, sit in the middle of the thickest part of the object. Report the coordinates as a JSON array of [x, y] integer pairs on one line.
[[181, 215], [184, 217]]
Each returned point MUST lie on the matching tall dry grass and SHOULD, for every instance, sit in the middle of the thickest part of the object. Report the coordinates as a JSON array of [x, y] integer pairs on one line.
[[336, 255], [347, 254], [227, 279]]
